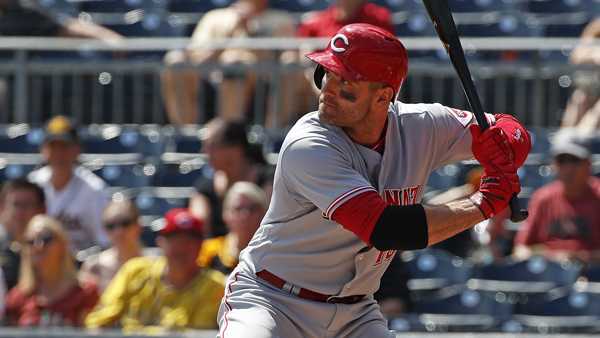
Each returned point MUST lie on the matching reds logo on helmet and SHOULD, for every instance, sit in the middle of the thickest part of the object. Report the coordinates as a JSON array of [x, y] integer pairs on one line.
[[363, 52]]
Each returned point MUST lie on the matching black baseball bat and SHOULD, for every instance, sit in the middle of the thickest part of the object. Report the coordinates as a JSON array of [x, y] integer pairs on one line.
[[440, 15]]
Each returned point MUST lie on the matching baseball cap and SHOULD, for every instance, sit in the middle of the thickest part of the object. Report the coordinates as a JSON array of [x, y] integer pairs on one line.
[[60, 128], [180, 220], [572, 143]]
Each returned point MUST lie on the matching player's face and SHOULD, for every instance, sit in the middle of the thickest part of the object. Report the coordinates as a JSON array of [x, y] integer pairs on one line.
[[344, 103]]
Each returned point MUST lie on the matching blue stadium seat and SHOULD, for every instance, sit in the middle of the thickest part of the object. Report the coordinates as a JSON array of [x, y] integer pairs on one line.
[[159, 200], [592, 273], [197, 6], [13, 171], [20, 138], [569, 309], [557, 6], [401, 5], [461, 309], [433, 269], [444, 177], [535, 175], [184, 139], [128, 175], [152, 24], [414, 24], [120, 6], [59, 7], [504, 24], [115, 139], [181, 173], [468, 6], [300, 5], [535, 275]]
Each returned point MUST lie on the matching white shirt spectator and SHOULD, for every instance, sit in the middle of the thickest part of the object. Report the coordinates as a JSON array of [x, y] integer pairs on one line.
[[78, 206]]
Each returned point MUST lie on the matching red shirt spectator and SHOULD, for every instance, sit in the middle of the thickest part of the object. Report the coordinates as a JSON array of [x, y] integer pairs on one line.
[[326, 23], [561, 223], [69, 310]]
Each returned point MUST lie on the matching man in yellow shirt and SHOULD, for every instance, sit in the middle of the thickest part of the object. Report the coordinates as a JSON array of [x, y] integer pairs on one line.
[[167, 293]]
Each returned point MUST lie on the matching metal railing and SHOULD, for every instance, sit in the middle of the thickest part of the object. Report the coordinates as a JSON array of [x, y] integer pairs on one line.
[[97, 83]]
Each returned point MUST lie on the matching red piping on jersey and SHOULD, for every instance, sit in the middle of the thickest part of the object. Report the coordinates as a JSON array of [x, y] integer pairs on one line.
[[335, 204], [227, 306], [360, 214]]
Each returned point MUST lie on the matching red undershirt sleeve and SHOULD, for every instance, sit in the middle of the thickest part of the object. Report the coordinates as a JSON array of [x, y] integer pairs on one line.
[[360, 214]]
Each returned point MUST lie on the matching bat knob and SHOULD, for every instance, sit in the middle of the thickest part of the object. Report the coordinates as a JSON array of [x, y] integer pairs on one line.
[[516, 213]]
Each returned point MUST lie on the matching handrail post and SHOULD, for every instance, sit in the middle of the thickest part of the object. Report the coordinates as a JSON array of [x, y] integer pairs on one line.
[[20, 92]]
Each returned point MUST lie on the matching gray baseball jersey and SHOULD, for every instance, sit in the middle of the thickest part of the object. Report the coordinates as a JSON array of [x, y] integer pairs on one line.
[[319, 168]]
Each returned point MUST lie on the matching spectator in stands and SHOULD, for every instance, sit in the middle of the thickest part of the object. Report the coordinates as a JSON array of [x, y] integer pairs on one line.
[[48, 292], [243, 18], [26, 18], [233, 159], [243, 209], [168, 293], [74, 194], [121, 221], [20, 200], [564, 217], [299, 92], [583, 108]]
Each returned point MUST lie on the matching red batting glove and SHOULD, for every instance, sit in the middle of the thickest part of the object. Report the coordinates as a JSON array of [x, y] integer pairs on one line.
[[492, 149], [495, 191]]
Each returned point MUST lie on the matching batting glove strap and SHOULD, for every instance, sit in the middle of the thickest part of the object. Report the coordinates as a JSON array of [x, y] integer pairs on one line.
[[495, 191]]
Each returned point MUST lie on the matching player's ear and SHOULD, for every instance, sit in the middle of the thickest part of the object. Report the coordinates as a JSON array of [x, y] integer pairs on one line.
[[386, 94]]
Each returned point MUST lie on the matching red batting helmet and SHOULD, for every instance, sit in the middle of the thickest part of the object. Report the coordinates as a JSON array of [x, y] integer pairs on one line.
[[363, 52]]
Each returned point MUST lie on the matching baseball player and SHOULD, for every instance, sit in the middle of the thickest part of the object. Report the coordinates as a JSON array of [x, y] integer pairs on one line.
[[347, 192]]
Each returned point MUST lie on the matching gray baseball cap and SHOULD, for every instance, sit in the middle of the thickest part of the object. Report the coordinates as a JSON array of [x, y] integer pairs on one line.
[[571, 142]]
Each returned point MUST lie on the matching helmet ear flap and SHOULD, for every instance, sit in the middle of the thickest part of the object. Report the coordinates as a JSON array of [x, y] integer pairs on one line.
[[318, 75]]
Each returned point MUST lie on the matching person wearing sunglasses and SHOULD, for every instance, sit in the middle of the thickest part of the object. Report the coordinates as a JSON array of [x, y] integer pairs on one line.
[[48, 292], [564, 222], [244, 206], [121, 222], [164, 293]]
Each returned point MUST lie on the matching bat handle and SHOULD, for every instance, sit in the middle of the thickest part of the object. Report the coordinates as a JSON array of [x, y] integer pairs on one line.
[[516, 213]]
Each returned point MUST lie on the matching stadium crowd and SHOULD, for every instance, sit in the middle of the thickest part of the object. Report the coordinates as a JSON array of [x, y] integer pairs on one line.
[[75, 253]]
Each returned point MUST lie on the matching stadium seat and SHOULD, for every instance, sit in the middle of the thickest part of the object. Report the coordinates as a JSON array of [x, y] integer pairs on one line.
[[401, 5], [159, 200], [468, 6], [458, 308], [432, 269], [150, 24], [197, 6], [13, 171], [556, 6], [127, 175], [120, 6], [300, 5], [445, 177], [535, 275], [562, 310], [59, 7], [510, 24], [187, 139], [414, 24], [116, 139], [181, 172], [535, 175], [20, 138]]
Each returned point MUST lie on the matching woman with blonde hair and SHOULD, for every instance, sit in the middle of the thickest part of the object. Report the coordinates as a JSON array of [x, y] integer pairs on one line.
[[48, 292]]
